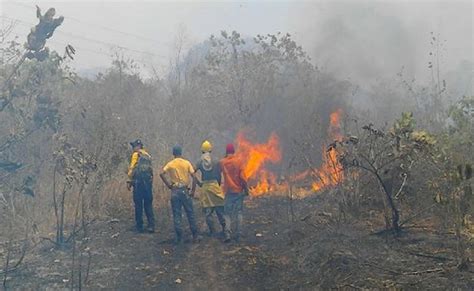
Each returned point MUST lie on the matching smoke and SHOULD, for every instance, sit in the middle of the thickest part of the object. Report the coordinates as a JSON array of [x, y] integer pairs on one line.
[[365, 41]]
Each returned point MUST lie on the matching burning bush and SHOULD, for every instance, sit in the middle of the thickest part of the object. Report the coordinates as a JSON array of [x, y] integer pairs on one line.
[[256, 157]]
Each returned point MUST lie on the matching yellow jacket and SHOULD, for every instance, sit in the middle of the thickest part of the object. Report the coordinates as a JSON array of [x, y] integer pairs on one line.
[[134, 161]]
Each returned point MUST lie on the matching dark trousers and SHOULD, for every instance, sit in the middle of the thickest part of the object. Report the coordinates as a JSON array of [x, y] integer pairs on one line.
[[143, 199], [180, 199], [208, 211]]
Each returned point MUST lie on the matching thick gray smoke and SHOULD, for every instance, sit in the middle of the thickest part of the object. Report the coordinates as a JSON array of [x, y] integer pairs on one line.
[[366, 41]]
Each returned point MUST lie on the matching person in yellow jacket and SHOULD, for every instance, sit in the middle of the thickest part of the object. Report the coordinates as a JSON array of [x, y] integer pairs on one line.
[[211, 195], [140, 178]]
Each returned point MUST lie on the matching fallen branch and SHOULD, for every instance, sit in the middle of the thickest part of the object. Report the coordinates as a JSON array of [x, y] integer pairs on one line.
[[15, 267], [429, 256], [382, 268], [23, 240], [70, 236], [10, 270], [424, 271], [74, 233], [351, 286], [417, 214], [390, 230], [50, 240]]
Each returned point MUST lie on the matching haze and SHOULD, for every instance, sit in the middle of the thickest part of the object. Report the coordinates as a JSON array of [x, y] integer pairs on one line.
[[359, 40]]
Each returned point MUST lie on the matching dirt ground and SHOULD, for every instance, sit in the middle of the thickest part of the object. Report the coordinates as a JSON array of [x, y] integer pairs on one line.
[[316, 251]]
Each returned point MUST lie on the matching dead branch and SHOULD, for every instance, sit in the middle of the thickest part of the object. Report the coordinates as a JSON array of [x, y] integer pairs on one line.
[[89, 260], [405, 176], [417, 214], [429, 256], [75, 232], [437, 270], [50, 240], [7, 263], [6, 84], [8, 269], [381, 268]]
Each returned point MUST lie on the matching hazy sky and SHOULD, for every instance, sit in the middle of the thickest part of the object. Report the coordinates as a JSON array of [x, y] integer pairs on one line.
[[357, 39]]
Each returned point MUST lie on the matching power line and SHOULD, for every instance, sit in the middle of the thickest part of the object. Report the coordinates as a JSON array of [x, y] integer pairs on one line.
[[118, 31], [88, 39], [145, 63], [62, 43], [100, 53], [100, 26], [80, 48], [75, 46]]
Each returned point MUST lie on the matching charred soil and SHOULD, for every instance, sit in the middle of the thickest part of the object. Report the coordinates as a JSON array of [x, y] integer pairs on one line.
[[313, 249]]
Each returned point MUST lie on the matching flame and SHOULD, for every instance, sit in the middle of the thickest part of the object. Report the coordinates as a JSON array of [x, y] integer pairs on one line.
[[330, 173], [256, 156], [335, 125]]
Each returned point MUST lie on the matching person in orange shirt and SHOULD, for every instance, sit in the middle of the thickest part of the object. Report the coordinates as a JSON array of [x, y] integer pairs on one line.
[[235, 189]]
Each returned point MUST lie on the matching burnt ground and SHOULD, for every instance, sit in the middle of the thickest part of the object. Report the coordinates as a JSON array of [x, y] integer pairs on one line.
[[317, 251]]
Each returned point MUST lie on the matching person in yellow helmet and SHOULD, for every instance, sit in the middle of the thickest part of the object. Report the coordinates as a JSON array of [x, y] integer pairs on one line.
[[211, 195]]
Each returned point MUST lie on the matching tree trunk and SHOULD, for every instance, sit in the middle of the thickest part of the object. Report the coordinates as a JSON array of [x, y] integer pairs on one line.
[[387, 185]]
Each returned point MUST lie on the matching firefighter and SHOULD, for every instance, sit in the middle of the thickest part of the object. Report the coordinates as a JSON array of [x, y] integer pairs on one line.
[[140, 178], [235, 189], [180, 173], [211, 195]]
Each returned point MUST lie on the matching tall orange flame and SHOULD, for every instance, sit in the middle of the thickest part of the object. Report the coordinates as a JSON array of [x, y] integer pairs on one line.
[[255, 158], [330, 173]]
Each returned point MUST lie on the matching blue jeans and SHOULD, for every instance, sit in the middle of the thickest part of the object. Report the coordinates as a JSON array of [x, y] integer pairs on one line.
[[208, 211], [143, 199], [180, 199], [233, 208]]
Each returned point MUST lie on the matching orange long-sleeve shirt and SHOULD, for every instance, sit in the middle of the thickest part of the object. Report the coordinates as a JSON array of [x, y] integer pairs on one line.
[[233, 175]]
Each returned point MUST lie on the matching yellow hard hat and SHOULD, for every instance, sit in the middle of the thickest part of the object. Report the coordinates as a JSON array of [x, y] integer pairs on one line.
[[206, 146]]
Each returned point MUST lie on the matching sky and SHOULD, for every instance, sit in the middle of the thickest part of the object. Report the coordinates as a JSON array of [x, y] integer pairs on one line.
[[358, 40]]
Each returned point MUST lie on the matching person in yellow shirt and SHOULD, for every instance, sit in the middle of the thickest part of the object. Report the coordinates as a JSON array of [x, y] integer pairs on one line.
[[180, 173], [140, 178]]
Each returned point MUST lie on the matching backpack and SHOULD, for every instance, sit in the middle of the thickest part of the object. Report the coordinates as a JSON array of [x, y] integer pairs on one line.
[[143, 172]]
